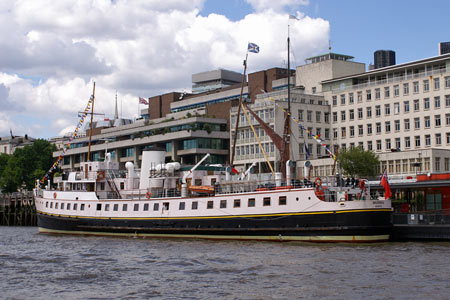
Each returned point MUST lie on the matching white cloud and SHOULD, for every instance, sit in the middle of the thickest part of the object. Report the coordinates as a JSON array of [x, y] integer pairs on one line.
[[142, 48]]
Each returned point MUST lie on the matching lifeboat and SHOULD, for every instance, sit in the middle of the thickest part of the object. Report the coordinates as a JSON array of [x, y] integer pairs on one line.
[[202, 189]]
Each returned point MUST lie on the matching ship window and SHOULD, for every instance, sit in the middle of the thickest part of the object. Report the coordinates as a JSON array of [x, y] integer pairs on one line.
[[194, 205], [237, 203], [182, 205], [124, 207], [165, 205], [209, 204], [251, 202], [56, 205], [106, 207], [122, 185], [102, 186], [62, 205], [266, 201], [282, 200], [99, 206], [46, 203], [146, 207], [223, 203], [156, 206], [136, 207], [51, 204], [82, 206], [68, 206], [75, 206], [116, 207]]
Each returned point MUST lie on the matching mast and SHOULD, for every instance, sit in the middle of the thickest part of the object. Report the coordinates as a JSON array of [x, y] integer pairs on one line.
[[238, 116], [285, 153], [91, 125]]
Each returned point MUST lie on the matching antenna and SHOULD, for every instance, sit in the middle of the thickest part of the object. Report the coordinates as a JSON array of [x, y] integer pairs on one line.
[[329, 45]]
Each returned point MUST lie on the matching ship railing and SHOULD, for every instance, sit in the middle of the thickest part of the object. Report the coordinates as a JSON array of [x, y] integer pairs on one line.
[[244, 186], [432, 217]]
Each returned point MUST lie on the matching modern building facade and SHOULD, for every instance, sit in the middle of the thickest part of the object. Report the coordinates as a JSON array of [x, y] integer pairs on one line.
[[383, 58]]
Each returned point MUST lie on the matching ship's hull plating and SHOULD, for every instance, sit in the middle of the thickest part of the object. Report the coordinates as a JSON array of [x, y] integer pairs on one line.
[[371, 225]]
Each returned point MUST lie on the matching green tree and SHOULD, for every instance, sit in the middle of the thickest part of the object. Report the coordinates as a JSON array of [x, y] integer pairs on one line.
[[356, 162], [26, 165]]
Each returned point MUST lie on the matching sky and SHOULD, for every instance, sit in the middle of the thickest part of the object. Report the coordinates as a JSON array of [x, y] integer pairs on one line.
[[51, 52]]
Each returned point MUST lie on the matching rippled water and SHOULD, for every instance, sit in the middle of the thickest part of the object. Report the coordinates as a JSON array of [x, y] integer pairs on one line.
[[35, 266]]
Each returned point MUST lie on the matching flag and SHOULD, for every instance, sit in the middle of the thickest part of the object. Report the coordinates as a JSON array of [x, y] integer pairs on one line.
[[292, 17], [306, 151], [10, 132], [385, 184], [143, 101], [253, 48], [234, 171]]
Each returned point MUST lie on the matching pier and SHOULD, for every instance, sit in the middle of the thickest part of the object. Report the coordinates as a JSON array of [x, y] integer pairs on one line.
[[17, 209]]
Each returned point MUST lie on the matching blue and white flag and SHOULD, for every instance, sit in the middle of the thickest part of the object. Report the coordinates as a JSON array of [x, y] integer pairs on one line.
[[307, 151], [253, 48]]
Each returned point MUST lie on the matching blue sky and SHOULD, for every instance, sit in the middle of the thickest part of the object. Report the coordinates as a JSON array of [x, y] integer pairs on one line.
[[144, 48]]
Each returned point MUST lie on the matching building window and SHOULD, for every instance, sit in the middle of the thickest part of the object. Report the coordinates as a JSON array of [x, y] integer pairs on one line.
[[194, 205], [426, 103], [386, 92], [351, 99], [406, 123], [396, 108], [282, 200], [351, 114], [378, 127], [426, 85], [251, 202], [437, 84], [360, 130], [416, 86], [237, 203], [416, 123], [318, 116], [309, 116], [437, 120], [437, 164], [437, 102], [387, 109], [407, 142], [405, 88], [397, 125], [327, 133], [343, 99], [447, 119], [427, 122], [378, 145], [447, 100], [360, 113], [359, 97], [447, 82], [343, 132], [397, 143], [447, 164], [352, 131], [416, 105], [369, 95], [388, 144], [438, 139], [417, 140], [396, 90], [266, 201], [327, 117], [427, 140], [387, 126], [335, 133], [369, 145], [210, 204], [369, 112], [369, 129], [334, 100], [448, 137], [377, 94], [378, 111], [335, 117], [343, 115], [406, 106]]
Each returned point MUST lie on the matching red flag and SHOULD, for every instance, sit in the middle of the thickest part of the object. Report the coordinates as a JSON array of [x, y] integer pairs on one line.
[[385, 184], [234, 171], [143, 101]]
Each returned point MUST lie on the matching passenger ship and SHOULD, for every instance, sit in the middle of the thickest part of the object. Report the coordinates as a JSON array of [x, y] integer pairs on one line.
[[166, 200]]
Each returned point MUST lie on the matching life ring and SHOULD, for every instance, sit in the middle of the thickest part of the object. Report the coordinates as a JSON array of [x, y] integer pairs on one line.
[[149, 194], [54, 195], [100, 175], [318, 181], [362, 184]]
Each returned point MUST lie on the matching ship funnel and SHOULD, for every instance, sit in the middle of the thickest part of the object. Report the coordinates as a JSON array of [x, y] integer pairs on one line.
[[150, 159], [130, 176]]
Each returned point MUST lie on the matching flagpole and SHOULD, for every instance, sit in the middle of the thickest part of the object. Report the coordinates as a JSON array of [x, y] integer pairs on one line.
[[92, 119]]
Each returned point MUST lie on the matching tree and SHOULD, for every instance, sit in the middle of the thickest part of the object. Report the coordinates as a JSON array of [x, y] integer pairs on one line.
[[26, 165], [356, 162]]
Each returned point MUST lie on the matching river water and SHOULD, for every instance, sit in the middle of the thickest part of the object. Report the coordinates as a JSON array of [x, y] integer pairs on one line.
[[36, 266]]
